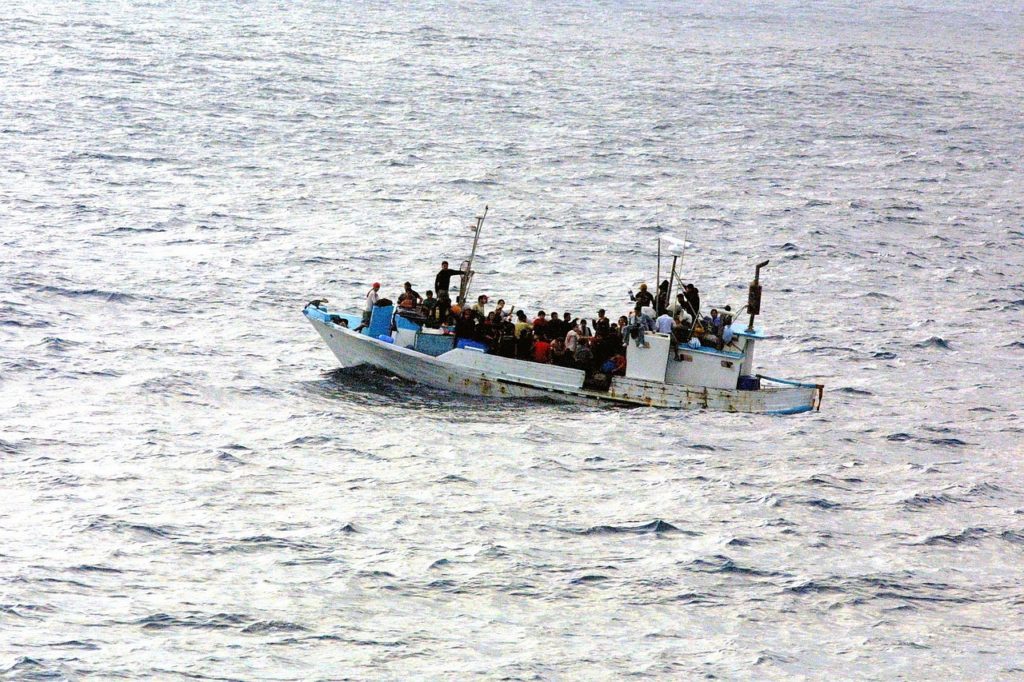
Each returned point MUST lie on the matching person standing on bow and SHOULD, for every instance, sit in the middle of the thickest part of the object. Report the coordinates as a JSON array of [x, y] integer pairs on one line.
[[442, 283], [372, 296]]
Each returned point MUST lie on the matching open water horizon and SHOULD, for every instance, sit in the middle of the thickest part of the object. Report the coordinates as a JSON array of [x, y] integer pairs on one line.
[[191, 489]]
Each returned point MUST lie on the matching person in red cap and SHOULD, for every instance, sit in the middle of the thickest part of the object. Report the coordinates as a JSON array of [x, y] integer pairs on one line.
[[372, 296]]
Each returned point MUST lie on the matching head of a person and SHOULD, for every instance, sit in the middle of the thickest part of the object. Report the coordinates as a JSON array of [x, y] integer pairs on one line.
[[444, 265], [680, 297], [554, 315], [643, 287], [567, 317], [623, 320], [541, 314], [714, 312], [600, 313], [689, 287], [521, 316], [481, 299], [376, 286], [490, 316], [557, 344], [430, 294], [501, 303], [467, 313]]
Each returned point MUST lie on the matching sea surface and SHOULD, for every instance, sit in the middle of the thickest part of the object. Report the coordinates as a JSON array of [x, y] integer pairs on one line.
[[190, 488]]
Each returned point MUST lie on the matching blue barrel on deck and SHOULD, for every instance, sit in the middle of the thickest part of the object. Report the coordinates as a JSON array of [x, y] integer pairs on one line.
[[380, 321]]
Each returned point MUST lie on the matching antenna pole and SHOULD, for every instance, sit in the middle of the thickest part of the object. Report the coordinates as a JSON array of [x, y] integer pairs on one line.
[[657, 278], [467, 279]]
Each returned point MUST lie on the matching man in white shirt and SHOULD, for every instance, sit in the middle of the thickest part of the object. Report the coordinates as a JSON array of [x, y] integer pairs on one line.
[[663, 325], [572, 340], [372, 296]]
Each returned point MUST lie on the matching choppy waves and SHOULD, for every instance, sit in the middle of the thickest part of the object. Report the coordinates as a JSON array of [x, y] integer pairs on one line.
[[192, 489]]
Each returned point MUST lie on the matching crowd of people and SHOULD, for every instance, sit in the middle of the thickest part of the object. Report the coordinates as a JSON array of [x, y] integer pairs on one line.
[[597, 345]]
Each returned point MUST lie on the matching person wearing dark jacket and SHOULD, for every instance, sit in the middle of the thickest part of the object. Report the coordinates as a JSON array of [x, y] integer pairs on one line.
[[465, 326], [643, 298], [693, 298], [442, 283], [662, 298]]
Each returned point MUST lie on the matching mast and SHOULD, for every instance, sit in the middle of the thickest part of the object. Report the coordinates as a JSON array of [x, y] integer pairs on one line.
[[467, 279]]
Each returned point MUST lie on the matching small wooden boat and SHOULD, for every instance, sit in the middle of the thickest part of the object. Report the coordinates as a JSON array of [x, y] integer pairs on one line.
[[656, 376], [658, 373]]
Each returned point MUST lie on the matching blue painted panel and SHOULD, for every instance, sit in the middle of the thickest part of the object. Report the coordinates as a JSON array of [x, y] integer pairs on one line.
[[740, 329], [380, 321]]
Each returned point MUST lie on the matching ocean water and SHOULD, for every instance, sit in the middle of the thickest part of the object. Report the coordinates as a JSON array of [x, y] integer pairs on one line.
[[191, 489]]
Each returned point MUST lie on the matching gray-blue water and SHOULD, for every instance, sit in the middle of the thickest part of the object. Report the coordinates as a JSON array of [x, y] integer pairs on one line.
[[190, 489]]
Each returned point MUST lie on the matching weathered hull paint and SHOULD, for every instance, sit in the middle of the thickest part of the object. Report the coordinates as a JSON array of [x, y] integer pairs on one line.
[[352, 349]]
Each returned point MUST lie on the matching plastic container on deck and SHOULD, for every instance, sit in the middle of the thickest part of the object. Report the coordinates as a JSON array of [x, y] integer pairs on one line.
[[434, 344], [380, 321], [471, 345]]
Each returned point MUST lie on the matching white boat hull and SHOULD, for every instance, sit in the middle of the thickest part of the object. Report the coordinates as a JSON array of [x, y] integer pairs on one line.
[[471, 373]]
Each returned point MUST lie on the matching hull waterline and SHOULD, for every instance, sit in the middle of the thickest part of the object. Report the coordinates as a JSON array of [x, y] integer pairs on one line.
[[453, 371]]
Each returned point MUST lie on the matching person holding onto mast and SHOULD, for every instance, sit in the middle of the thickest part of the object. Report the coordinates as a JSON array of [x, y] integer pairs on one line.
[[442, 283], [693, 298]]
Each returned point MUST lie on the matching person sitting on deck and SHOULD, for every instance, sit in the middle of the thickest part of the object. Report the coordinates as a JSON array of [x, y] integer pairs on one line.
[[639, 324], [584, 359], [499, 311], [506, 338], [679, 306], [614, 366], [681, 330], [487, 332], [560, 355], [372, 296], [480, 307], [554, 326], [522, 324], [542, 348], [714, 322], [524, 345], [642, 297], [430, 310], [465, 325], [409, 298], [663, 325], [572, 339]]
